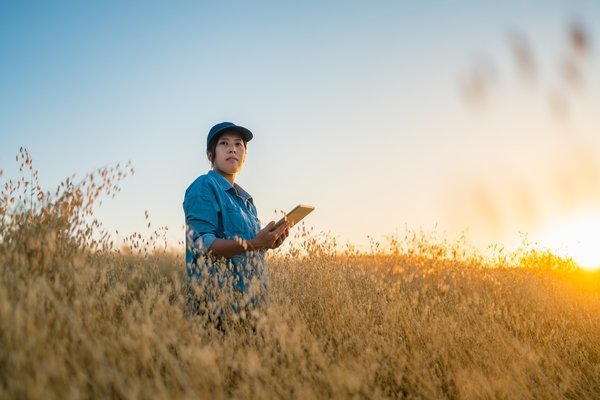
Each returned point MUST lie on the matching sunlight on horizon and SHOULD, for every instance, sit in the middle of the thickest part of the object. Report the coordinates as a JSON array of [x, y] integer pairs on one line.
[[575, 236]]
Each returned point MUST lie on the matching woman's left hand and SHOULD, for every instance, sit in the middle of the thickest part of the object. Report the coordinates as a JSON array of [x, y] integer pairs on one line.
[[279, 241]]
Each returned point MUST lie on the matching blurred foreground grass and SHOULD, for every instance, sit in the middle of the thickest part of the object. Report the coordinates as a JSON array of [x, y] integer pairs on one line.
[[420, 320]]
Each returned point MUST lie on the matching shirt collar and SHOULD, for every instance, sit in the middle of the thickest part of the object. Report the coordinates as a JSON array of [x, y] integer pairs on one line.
[[226, 186]]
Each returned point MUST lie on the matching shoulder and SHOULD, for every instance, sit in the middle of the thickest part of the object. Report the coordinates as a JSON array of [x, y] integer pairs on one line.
[[202, 186], [201, 196]]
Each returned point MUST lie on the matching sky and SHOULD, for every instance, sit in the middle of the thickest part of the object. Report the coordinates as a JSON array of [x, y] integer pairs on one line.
[[364, 110]]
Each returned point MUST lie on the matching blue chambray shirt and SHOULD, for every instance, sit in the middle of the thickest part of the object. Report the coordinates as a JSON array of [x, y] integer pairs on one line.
[[216, 209]]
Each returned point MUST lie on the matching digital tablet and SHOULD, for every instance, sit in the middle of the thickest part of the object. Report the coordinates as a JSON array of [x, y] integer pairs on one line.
[[296, 215]]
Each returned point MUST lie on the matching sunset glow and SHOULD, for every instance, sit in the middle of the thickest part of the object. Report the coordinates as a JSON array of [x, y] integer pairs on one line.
[[576, 236]]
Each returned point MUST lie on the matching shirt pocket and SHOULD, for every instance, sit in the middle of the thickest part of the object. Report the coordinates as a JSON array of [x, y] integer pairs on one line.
[[235, 222]]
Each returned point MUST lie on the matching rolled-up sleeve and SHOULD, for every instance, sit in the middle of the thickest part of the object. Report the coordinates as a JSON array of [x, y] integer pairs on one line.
[[201, 218]]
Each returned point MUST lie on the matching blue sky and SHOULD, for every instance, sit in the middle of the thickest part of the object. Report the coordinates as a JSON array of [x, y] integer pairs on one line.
[[354, 105]]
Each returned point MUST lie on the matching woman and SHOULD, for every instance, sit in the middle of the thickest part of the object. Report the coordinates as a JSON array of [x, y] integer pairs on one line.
[[225, 246]]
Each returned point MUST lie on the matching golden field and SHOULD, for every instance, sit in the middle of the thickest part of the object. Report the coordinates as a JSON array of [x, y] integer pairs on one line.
[[412, 319]]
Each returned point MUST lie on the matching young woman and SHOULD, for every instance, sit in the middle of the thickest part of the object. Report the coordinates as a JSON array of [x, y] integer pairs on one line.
[[225, 245]]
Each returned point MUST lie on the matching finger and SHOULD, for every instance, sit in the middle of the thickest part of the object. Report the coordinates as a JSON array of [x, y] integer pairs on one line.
[[281, 239], [283, 235], [278, 226], [282, 228]]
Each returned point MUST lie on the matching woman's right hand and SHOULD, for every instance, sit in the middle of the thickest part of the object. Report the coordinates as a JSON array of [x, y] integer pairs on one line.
[[267, 237]]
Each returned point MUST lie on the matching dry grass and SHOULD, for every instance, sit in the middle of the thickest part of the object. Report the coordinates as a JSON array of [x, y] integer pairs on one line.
[[424, 320]]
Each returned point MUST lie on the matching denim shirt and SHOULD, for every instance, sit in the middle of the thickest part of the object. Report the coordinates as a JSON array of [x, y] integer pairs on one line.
[[214, 208]]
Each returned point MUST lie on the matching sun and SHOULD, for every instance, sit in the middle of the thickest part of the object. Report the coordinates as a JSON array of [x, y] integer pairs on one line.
[[576, 236]]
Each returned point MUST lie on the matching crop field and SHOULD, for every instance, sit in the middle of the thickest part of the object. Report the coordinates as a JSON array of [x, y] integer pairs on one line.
[[413, 318]]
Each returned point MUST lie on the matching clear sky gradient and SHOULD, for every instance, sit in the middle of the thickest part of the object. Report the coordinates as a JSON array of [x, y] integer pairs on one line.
[[356, 109]]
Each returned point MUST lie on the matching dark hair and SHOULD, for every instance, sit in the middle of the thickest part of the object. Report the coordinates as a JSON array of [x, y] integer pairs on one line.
[[212, 147]]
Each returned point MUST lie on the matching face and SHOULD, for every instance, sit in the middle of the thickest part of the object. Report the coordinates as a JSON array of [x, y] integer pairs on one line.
[[230, 153]]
